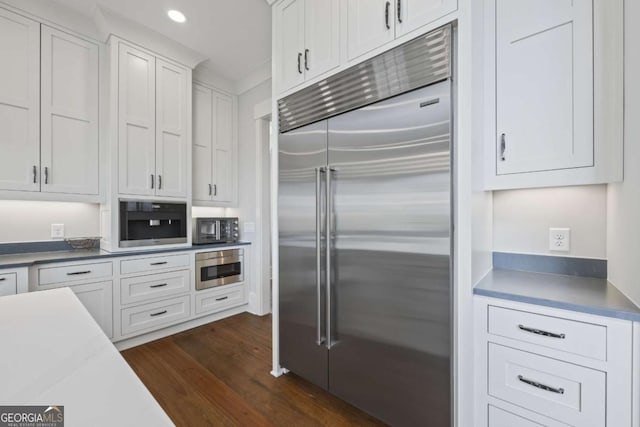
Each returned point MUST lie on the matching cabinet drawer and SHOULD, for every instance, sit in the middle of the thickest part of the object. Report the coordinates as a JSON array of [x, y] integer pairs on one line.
[[74, 273], [500, 418], [562, 391], [8, 284], [155, 315], [154, 286], [139, 265], [584, 339], [219, 299]]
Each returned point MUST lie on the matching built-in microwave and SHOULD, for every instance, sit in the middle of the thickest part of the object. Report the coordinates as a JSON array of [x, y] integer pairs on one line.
[[144, 223], [219, 268], [215, 230]]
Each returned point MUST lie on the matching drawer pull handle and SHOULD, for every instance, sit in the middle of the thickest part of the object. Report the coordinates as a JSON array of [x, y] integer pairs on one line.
[[221, 298], [159, 263], [76, 273], [158, 286], [541, 332], [158, 313], [540, 385], [2, 279]]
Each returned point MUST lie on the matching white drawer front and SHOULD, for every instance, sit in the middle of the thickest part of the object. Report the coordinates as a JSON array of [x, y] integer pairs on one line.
[[154, 286], [74, 273], [154, 263], [500, 418], [584, 339], [220, 299], [562, 391], [8, 284], [155, 315]]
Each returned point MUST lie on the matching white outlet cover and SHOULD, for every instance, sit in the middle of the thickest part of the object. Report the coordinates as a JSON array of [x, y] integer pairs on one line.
[[249, 227], [57, 231], [560, 239]]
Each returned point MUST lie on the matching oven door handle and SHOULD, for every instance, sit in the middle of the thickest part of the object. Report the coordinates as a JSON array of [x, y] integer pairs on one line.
[[218, 226], [220, 261]]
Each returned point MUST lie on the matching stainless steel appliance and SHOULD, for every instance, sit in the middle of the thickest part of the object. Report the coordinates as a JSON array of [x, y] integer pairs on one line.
[[215, 230], [144, 223], [365, 233], [219, 268]]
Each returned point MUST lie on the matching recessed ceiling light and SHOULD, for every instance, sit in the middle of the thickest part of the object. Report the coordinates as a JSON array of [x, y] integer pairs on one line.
[[176, 16]]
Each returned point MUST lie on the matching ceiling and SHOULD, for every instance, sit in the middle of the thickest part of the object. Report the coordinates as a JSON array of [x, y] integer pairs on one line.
[[234, 34]]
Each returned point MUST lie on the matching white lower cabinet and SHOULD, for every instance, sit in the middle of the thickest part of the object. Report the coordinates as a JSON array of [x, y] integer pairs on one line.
[[155, 286], [97, 299], [500, 418], [210, 301], [8, 284], [92, 282], [538, 366], [156, 315]]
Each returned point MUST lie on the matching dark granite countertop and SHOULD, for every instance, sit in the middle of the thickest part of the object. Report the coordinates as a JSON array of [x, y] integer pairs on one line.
[[582, 294], [31, 258]]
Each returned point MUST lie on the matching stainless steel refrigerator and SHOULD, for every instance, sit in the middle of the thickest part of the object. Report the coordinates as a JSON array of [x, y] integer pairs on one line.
[[365, 235]]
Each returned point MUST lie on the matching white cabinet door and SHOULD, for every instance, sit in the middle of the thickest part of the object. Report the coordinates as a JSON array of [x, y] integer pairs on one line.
[[544, 78], [370, 24], [172, 160], [289, 20], [322, 36], [224, 167], [136, 121], [19, 102], [96, 298], [413, 14], [202, 143], [69, 108]]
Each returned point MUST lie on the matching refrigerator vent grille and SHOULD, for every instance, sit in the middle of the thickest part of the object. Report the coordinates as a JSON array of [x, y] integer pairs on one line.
[[417, 63]]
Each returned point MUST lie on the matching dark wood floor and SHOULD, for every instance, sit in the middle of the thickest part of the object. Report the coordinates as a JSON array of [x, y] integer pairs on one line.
[[218, 375]]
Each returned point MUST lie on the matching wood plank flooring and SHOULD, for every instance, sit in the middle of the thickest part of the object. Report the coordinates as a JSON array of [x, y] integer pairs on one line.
[[218, 375]]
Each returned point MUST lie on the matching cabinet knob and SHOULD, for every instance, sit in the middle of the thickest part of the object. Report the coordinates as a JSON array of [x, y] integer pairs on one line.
[[46, 175], [35, 173], [299, 63], [399, 11], [306, 59], [503, 146]]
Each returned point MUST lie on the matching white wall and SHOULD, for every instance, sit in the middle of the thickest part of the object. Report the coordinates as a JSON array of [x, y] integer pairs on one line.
[[522, 218], [28, 221], [623, 228], [247, 167]]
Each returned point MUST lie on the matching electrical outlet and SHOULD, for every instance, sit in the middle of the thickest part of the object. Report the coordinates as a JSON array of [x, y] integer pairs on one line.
[[249, 227], [560, 239], [57, 231]]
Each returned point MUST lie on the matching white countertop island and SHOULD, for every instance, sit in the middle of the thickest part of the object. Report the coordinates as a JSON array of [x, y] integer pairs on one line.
[[52, 352]]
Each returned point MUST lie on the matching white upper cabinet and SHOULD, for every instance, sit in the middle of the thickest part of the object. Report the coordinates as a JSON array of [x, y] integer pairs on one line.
[[202, 143], [290, 15], [215, 166], [307, 40], [69, 105], [374, 23], [19, 103], [224, 166], [544, 75], [171, 130], [153, 125], [322, 36], [413, 14], [370, 24], [136, 123], [553, 92]]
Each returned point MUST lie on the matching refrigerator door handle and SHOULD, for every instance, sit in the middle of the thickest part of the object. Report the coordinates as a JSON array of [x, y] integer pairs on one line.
[[319, 338], [329, 239]]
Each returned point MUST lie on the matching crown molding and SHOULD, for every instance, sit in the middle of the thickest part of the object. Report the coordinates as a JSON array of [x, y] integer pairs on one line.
[[111, 23]]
